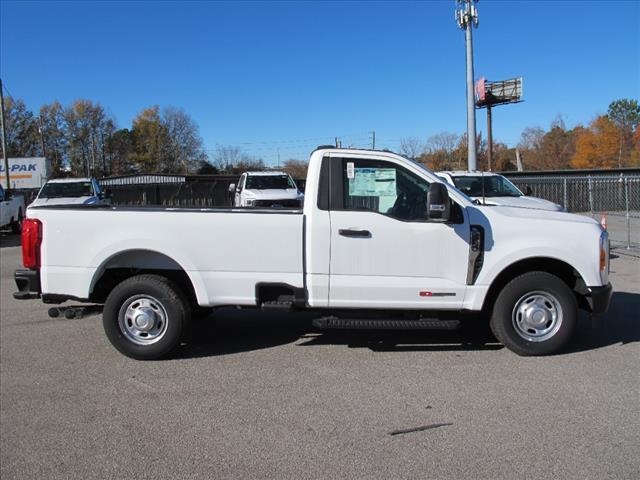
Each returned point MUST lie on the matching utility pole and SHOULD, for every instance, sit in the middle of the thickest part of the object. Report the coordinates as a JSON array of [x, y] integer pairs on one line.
[[467, 17], [373, 140], [489, 136], [104, 161], [93, 155], [41, 132], [5, 156]]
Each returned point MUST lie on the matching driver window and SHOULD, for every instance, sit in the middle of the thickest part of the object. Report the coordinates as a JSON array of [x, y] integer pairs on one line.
[[241, 183], [385, 188]]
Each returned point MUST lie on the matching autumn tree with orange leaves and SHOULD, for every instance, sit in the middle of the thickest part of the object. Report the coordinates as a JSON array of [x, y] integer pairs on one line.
[[597, 146]]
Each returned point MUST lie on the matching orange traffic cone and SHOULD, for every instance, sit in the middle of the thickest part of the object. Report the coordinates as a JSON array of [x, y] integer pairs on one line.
[[603, 221]]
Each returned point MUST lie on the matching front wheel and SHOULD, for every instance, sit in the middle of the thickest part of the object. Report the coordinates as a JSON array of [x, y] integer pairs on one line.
[[145, 316], [534, 314]]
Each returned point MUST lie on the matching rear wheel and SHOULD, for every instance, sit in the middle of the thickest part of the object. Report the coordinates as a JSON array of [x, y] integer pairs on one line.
[[534, 314], [145, 316]]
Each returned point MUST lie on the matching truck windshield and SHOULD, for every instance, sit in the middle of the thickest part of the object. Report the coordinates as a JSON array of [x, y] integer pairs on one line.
[[269, 182], [70, 189], [494, 186]]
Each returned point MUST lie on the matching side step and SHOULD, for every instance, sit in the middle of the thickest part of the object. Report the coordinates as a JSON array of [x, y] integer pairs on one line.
[[386, 324]]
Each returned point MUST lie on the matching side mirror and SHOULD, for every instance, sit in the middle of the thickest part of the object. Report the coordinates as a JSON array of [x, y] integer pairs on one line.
[[438, 203], [232, 188], [527, 190]]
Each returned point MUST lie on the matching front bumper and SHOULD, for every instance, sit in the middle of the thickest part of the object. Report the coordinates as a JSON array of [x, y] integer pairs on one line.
[[599, 298], [28, 283]]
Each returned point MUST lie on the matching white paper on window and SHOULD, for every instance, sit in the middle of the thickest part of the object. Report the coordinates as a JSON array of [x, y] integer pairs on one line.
[[373, 182]]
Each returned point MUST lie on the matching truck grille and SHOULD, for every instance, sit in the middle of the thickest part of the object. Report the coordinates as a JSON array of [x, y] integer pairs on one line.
[[292, 203]]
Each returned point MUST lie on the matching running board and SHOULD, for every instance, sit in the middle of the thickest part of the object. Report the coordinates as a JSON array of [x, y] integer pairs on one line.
[[385, 324]]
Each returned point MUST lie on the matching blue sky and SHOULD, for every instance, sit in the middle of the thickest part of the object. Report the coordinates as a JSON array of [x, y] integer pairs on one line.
[[284, 77]]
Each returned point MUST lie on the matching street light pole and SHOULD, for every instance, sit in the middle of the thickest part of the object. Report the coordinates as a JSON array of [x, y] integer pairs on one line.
[[467, 17], [3, 132]]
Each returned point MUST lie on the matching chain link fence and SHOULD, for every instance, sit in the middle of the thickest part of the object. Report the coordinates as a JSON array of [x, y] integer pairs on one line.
[[617, 197]]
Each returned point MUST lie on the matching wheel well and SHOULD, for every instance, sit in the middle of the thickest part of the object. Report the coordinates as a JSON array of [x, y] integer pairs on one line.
[[137, 262], [560, 269]]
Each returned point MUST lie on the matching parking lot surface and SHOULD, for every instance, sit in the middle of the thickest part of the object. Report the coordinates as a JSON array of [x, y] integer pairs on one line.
[[263, 396]]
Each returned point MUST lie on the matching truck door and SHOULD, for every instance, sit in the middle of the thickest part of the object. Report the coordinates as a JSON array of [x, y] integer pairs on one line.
[[384, 252]]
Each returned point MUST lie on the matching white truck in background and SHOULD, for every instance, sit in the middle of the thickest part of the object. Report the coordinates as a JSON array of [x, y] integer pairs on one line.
[[26, 172], [11, 210], [495, 189], [71, 191], [266, 189], [381, 242]]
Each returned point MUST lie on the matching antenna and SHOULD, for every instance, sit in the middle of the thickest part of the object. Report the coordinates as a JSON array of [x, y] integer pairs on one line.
[[484, 202]]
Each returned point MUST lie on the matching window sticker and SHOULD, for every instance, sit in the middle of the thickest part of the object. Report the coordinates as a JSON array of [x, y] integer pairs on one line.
[[350, 170], [373, 182]]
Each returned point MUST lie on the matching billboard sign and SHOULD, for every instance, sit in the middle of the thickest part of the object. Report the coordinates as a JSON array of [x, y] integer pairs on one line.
[[498, 93], [29, 172]]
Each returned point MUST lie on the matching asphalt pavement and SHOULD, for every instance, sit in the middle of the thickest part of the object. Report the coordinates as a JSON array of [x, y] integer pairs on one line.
[[268, 396]]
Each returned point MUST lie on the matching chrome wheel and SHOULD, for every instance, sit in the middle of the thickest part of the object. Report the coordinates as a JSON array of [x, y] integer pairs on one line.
[[142, 319], [537, 316]]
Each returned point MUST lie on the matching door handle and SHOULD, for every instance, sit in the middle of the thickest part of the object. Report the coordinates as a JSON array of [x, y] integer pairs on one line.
[[354, 233]]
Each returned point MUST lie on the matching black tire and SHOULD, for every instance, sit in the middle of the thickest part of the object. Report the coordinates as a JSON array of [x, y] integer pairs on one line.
[[16, 226], [170, 311], [523, 294]]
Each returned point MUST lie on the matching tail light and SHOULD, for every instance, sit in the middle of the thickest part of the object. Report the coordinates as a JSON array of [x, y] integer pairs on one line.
[[31, 241]]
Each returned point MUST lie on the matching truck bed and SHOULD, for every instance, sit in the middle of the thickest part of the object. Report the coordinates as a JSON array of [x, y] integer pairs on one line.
[[224, 251]]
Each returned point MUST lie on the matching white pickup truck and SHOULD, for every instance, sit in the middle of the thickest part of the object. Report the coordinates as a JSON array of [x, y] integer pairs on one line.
[[266, 189], [378, 233], [11, 210]]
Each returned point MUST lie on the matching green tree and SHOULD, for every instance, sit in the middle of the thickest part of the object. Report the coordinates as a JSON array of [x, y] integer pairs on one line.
[[186, 152], [119, 146], [52, 124], [87, 126], [625, 114], [21, 129], [151, 143]]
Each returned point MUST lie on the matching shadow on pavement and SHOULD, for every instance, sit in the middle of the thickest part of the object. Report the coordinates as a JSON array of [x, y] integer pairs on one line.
[[621, 324], [230, 331], [9, 240]]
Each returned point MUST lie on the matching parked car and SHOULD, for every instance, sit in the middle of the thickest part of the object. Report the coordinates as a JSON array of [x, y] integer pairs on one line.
[[11, 210], [266, 189], [71, 191], [495, 189], [381, 242]]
